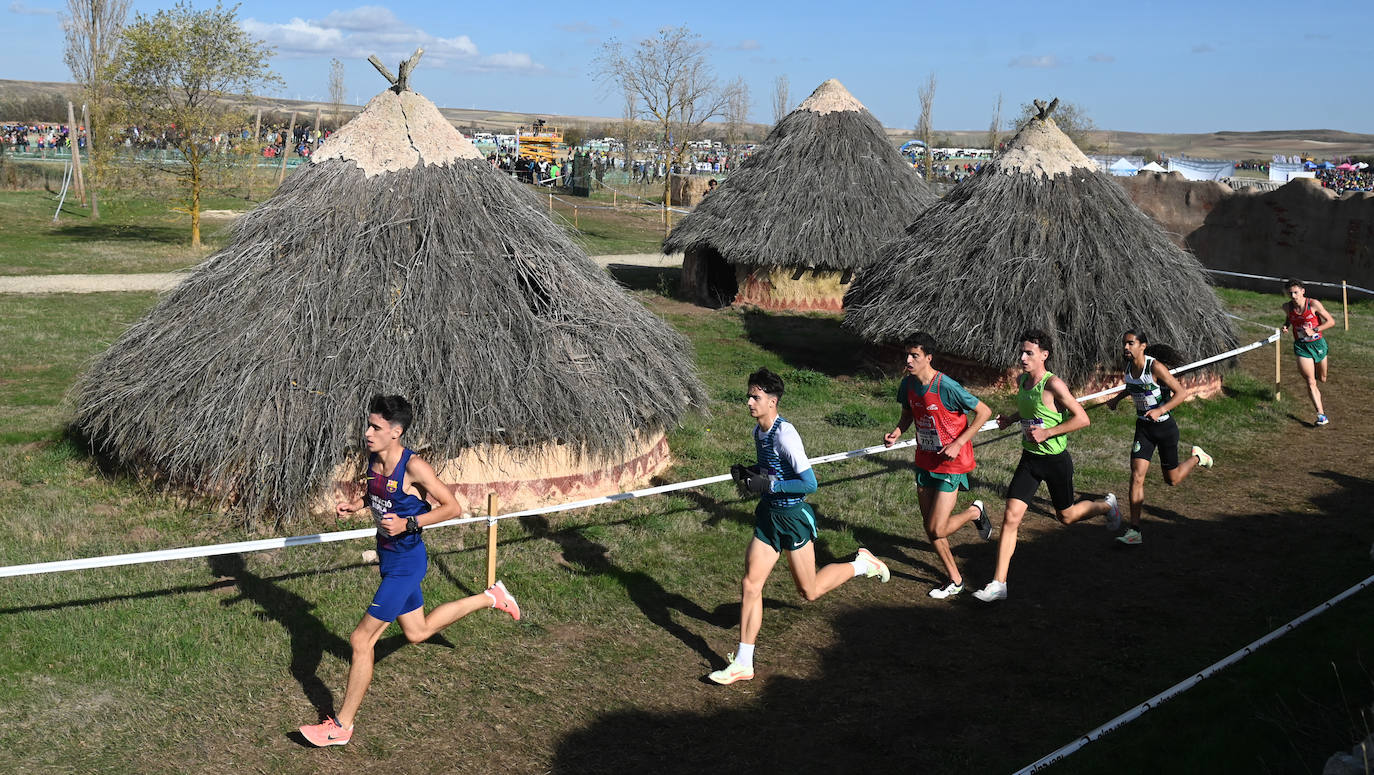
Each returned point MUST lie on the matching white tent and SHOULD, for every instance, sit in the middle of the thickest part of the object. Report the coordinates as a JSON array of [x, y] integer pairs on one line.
[[1122, 167], [1152, 167]]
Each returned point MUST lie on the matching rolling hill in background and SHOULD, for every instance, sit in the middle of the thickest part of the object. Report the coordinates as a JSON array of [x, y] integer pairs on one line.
[[1320, 143]]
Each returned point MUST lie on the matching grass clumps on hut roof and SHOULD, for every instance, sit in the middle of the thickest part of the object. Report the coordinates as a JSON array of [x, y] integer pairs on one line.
[[1039, 239], [398, 261], [824, 190]]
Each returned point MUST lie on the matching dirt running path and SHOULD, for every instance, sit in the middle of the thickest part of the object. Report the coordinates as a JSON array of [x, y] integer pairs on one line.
[[101, 283]]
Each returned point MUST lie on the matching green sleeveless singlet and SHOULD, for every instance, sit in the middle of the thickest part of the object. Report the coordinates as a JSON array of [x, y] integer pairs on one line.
[[1031, 404]]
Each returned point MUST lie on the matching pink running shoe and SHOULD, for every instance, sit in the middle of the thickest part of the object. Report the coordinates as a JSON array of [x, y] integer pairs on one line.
[[501, 599], [327, 732]]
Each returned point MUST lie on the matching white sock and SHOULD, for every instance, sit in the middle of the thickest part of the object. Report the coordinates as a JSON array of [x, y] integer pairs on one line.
[[744, 657], [860, 566]]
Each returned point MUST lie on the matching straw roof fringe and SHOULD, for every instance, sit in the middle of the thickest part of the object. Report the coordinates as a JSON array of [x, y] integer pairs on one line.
[[446, 284], [1039, 239], [824, 190]]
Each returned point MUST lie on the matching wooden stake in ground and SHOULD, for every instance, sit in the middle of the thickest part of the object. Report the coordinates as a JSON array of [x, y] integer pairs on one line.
[[1345, 305], [72, 140], [286, 144], [90, 153], [491, 539], [1278, 357], [256, 152]]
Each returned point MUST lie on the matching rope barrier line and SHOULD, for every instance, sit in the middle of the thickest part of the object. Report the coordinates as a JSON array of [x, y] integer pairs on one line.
[[161, 555], [1183, 686], [1281, 279]]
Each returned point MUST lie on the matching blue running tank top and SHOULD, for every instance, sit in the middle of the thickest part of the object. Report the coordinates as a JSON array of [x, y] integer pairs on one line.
[[387, 495], [766, 448]]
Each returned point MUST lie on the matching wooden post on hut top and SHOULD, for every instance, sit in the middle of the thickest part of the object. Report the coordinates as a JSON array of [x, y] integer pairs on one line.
[[399, 83]]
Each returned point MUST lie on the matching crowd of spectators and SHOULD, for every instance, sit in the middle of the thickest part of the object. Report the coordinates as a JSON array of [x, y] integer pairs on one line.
[[38, 138], [1342, 181]]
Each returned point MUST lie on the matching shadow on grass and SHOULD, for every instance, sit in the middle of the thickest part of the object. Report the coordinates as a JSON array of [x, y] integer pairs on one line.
[[969, 687], [106, 232], [657, 604], [817, 344], [661, 279], [310, 639]]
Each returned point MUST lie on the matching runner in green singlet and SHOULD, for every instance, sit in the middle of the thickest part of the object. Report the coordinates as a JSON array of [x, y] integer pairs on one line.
[[1048, 412]]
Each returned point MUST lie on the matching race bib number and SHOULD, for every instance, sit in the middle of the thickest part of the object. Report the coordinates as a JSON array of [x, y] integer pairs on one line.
[[1144, 402], [1027, 425], [928, 439]]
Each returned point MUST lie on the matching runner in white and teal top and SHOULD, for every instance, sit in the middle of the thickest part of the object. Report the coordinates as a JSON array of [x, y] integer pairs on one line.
[[1155, 393], [783, 522]]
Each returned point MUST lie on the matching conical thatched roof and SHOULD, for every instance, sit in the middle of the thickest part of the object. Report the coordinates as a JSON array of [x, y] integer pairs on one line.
[[824, 190], [1039, 239], [397, 261]]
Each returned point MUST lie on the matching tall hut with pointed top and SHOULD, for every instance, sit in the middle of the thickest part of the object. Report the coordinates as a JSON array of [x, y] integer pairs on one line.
[[396, 261], [1039, 239], [804, 214]]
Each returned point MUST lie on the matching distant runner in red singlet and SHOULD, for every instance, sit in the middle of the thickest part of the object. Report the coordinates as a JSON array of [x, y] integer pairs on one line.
[[1307, 318]]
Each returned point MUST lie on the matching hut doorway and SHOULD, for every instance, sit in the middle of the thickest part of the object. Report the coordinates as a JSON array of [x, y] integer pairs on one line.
[[717, 285]]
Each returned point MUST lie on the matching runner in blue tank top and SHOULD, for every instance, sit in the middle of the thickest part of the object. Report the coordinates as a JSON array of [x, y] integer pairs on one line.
[[783, 523], [399, 488]]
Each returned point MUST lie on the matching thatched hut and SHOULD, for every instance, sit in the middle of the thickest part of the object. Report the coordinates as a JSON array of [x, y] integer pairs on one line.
[[806, 212], [1038, 239], [396, 261]]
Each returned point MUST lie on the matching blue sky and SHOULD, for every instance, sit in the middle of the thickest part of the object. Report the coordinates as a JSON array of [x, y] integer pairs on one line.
[[1172, 66]]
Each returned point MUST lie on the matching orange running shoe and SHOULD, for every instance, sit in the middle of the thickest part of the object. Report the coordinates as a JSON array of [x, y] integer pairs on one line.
[[327, 732], [501, 599]]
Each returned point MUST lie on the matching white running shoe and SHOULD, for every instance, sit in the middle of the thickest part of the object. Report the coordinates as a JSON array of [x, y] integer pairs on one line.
[[875, 566], [983, 524], [995, 590], [1203, 459], [1113, 516], [1131, 538], [949, 590], [732, 672]]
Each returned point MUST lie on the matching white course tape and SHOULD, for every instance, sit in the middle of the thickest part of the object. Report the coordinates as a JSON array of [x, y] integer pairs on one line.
[[347, 535], [1183, 686], [1281, 279]]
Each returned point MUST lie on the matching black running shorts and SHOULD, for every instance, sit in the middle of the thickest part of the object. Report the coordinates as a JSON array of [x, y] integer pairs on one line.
[[1056, 471], [1149, 435]]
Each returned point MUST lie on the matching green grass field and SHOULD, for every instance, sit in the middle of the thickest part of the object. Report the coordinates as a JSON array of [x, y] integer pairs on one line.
[[208, 665]]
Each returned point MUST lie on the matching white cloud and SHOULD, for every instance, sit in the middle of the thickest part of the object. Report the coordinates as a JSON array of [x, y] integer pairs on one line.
[[1101, 58], [748, 44], [360, 32], [17, 6], [1026, 60], [510, 60]]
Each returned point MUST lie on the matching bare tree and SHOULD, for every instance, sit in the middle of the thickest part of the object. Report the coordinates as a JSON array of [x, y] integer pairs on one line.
[[630, 129], [995, 130], [673, 86], [782, 104], [926, 95], [336, 89], [736, 112], [93, 28]]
